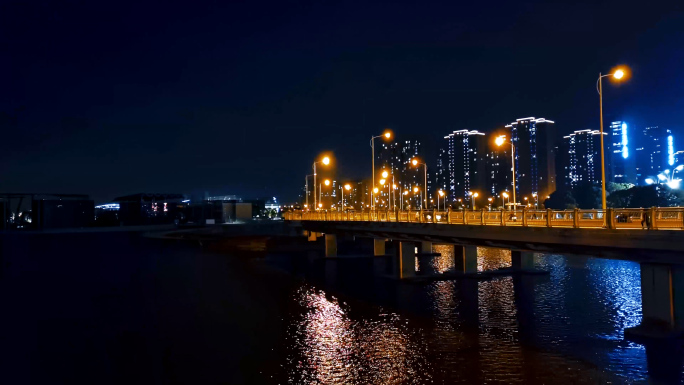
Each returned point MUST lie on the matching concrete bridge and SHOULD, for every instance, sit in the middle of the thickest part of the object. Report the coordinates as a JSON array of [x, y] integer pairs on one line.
[[652, 237]]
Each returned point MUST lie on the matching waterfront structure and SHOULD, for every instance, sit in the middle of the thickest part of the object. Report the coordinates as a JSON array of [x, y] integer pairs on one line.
[[466, 165], [535, 170]]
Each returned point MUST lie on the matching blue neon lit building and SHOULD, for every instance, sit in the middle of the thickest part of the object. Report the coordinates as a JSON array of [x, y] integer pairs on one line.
[[621, 153]]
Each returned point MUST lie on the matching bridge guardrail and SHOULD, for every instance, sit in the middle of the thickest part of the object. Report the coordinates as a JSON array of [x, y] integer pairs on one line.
[[615, 218]]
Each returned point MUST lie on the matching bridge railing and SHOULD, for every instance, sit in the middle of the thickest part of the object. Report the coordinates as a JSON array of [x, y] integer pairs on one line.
[[616, 218]]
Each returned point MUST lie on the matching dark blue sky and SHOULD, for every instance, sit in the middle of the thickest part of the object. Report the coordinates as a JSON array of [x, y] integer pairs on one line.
[[239, 97]]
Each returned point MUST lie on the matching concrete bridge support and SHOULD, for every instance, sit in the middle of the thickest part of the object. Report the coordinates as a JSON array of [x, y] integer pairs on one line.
[[522, 260], [378, 247], [312, 236], [425, 247], [405, 265], [465, 259], [662, 302], [330, 245]]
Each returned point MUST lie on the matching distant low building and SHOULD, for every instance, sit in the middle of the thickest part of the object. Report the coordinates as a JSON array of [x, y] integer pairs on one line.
[[145, 209]]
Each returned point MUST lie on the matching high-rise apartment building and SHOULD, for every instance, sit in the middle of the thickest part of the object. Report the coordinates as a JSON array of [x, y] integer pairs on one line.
[[621, 169], [466, 165], [653, 153], [581, 156], [534, 140], [499, 170]]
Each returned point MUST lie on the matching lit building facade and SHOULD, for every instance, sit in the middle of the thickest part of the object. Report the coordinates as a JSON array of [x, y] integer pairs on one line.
[[499, 171], [654, 152], [621, 153], [535, 169], [466, 167], [582, 153]]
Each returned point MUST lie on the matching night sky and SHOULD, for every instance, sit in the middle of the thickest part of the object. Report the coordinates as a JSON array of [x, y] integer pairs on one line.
[[111, 98]]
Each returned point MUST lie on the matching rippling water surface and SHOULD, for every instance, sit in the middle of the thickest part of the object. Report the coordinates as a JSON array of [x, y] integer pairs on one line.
[[565, 327]]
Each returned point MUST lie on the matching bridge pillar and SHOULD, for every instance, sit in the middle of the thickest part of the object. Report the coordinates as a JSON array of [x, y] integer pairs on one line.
[[662, 302], [312, 236], [425, 247], [465, 259], [406, 260], [330, 245], [379, 247], [522, 260]]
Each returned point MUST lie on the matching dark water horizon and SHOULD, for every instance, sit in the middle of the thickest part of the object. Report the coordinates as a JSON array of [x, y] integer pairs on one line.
[[118, 308]]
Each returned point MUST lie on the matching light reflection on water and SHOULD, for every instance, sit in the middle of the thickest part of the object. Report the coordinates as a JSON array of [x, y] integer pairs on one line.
[[564, 327], [331, 347]]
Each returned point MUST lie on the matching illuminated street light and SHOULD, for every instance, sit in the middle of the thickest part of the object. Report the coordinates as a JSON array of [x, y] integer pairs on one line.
[[327, 182], [473, 195], [505, 195], [618, 74], [385, 174], [387, 135], [415, 162], [500, 140], [346, 187], [325, 161]]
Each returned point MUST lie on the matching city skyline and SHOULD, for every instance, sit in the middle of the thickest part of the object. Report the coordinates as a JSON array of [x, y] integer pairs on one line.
[[215, 99]]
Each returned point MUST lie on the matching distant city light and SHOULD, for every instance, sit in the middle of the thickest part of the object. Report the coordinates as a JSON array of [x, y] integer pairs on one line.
[[625, 151]]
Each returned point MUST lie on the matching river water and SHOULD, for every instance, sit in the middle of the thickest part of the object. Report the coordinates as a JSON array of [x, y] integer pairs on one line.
[[121, 309]]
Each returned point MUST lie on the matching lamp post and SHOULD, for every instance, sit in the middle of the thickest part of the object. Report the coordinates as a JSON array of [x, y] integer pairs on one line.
[[394, 194], [325, 161], [342, 188], [415, 162], [536, 201], [440, 193], [500, 140], [375, 192], [415, 191], [490, 199], [401, 199], [617, 74], [320, 189], [505, 195], [473, 195], [382, 183], [387, 135]]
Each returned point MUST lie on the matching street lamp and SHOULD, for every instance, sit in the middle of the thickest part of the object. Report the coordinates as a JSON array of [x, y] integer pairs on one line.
[[387, 135], [325, 161], [505, 195], [473, 195], [401, 198], [618, 74], [346, 187], [490, 199], [441, 194], [500, 140], [382, 183], [415, 162], [536, 201], [320, 189]]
